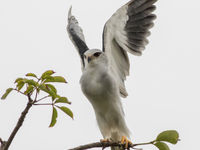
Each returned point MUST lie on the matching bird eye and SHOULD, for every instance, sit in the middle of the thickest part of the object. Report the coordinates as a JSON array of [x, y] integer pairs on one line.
[[97, 54]]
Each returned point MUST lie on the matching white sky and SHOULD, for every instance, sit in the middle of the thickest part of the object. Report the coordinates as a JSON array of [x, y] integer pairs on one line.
[[163, 85]]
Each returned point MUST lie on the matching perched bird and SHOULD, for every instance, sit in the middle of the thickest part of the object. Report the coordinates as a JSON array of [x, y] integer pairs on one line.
[[104, 72]]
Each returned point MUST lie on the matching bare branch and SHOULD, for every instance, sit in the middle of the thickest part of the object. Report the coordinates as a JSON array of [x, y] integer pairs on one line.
[[19, 124], [108, 144], [20, 92], [2, 144], [1, 141], [44, 104], [95, 145], [36, 101]]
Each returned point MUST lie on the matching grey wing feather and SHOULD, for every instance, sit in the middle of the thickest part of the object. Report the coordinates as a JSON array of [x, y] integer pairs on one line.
[[127, 31], [76, 35]]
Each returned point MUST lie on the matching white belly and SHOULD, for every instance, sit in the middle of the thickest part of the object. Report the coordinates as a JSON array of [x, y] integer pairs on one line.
[[102, 92]]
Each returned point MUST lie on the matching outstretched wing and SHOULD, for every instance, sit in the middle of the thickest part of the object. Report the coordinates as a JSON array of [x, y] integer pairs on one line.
[[127, 31], [76, 35]]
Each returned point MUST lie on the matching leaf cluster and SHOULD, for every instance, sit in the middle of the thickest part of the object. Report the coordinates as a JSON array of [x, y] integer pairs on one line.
[[32, 85], [169, 136]]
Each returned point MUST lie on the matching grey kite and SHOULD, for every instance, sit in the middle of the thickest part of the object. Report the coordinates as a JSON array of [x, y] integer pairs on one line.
[[104, 72]]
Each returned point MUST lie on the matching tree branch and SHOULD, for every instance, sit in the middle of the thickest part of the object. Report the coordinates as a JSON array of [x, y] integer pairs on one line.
[[19, 124], [20, 92], [1, 141], [36, 101], [108, 144], [2, 144], [48, 104]]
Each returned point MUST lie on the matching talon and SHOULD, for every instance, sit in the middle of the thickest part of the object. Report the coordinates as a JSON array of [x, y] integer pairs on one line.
[[125, 141], [105, 140]]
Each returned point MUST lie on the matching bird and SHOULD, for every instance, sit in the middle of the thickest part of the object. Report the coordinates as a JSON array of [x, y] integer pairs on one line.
[[104, 71]]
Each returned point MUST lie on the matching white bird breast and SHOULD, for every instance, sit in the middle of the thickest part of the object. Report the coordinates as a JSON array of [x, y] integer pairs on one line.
[[101, 89], [97, 83]]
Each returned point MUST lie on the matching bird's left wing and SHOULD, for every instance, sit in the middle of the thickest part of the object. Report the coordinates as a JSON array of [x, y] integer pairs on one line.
[[76, 35], [127, 31]]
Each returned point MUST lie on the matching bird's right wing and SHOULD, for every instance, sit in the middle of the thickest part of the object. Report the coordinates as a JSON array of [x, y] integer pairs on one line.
[[127, 31], [76, 35]]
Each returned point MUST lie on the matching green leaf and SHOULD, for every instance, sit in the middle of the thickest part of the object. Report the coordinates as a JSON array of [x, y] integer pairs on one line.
[[18, 79], [51, 87], [47, 73], [20, 84], [29, 89], [45, 88], [48, 77], [66, 110], [54, 117], [170, 136], [6, 93], [161, 146], [62, 100], [31, 82], [56, 79], [31, 75]]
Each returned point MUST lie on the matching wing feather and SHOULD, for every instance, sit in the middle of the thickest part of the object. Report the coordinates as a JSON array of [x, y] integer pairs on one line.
[[76, 35], [127, 31]]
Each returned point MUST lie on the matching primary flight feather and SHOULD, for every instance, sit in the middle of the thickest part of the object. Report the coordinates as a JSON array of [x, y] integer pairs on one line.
[[104, 72]]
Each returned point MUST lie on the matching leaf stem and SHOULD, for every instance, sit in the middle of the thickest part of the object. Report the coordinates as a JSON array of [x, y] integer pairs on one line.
[[152, 142], [20, 92], [41, 99], [51, 104], [35, 99], [36, 95]]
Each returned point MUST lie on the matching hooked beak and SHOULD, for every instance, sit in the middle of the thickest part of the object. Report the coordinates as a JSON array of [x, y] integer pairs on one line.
[[89, 59]]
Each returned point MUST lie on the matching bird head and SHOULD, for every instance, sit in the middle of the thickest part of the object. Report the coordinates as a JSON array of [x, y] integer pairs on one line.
[[94, 57]]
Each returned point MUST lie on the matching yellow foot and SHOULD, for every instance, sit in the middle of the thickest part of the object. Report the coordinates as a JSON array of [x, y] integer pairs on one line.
[[105, 140], [125, 141]]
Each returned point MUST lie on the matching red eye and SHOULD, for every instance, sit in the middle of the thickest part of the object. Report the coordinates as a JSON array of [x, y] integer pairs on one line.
[[97, 54]]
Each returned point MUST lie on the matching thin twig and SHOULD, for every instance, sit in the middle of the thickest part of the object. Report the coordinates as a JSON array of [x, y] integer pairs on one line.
[[44, 104], [35, 99], [42, 98], [20, 92], [19, 123], [152, 142], [36, 95], [107, 144]]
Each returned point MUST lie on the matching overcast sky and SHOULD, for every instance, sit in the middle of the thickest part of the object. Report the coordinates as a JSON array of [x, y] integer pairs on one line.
[[163, 84]]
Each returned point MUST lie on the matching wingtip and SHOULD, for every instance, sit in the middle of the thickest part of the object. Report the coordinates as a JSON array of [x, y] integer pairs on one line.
[[70, 12]]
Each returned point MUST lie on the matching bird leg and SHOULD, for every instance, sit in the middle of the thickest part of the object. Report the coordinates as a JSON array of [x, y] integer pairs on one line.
[[125, 141], [105, 140]]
